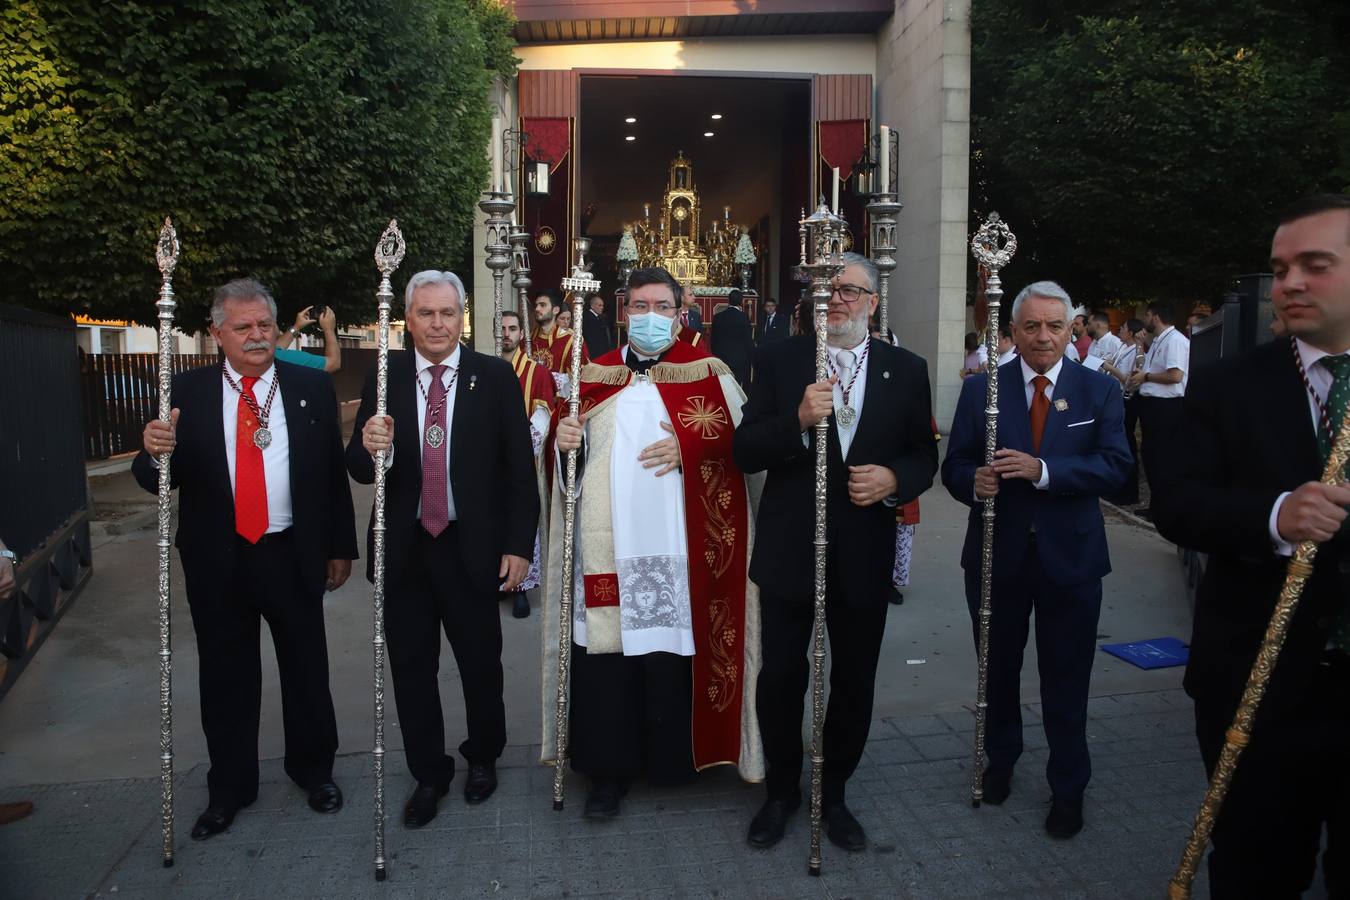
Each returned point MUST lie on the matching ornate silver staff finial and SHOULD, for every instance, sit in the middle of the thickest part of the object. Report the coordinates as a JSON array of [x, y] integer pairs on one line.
[[390, 249], [984, 246], [167, 248]]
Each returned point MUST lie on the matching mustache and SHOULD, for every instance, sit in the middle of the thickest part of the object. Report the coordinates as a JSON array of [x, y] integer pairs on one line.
[[256, 345]]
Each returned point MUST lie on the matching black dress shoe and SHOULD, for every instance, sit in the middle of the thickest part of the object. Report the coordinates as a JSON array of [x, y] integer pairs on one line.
[[521, 607], [844, 831], [421, 806], [997, 785], [212, 822], [325, 798], [766, 828], [897, 598], [605, 798], [1065, 819], [481, 783]]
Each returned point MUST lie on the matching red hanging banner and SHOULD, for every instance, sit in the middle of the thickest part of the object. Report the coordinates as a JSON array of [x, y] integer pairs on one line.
[[548, 140], [842, 144]]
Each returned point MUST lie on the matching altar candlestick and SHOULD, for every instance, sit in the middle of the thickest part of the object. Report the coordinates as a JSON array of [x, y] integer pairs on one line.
[[835, 195], [885, 159]]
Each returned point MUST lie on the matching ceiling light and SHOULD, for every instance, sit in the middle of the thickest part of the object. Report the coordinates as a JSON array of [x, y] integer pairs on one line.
[[707, 134], [716, 116], [630, 120], [630, 137]]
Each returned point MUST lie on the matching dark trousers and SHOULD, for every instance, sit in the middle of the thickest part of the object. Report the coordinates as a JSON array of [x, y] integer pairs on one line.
[[1160, 418], [855, 627], [1129, 494], [631, 714], [1290, 781], [227, 611], [432, 593], [1066, 642]]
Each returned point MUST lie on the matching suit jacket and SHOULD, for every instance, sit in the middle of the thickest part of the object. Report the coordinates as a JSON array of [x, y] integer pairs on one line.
[[1248, 437], [595, 331], [894, 430], [1083, 448], [731, 341], [695, 319], [492, 473], [764, 334], [321, 498]]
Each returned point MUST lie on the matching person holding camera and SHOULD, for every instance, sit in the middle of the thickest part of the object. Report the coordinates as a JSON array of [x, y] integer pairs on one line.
[[332, 354]]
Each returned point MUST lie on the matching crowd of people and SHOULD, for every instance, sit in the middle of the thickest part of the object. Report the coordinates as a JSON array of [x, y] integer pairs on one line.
[[694, 535]]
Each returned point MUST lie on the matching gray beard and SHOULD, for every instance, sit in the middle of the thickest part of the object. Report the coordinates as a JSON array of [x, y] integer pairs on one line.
[[847, 335]]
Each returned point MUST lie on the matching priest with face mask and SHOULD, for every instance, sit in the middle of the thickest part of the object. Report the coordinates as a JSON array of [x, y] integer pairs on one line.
[[665, 622]]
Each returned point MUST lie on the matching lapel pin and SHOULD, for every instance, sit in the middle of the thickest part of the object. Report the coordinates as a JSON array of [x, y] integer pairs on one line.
[[886, 373], [302, 402], [1062, 405], [473, 382]]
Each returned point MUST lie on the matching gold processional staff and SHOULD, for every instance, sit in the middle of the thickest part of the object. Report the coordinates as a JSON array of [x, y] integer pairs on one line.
[[1238, 736]]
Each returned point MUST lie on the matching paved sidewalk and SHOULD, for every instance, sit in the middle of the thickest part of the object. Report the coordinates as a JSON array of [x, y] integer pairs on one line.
[[102, 838]]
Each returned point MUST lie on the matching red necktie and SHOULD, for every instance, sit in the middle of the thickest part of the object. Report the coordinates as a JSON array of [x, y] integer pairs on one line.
[[250, 482], [1040, 410]]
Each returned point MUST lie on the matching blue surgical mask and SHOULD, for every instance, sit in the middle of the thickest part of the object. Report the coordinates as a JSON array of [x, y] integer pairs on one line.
[[650, 333]]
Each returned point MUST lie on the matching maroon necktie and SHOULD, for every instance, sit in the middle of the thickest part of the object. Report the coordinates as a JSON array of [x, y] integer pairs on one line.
[[1040, 410], [435, 496]]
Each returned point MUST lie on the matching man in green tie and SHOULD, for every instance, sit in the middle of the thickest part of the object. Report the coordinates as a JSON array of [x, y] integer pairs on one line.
[[1258, 430]]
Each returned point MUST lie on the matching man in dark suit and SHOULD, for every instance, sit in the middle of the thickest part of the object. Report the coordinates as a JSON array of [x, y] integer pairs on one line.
[[265, 524], [460, 518], [1246, 492], [773, 326], [881, 452], [731, 340], [1062, 445], [595, 329]]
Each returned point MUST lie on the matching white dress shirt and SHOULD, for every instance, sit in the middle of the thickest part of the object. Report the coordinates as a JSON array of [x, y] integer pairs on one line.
[[1028, 376], [423, 377], [1171, 350], [1007, 356], [855, 396], [276, 456], [1319, 377], [1124, 358], [1105, 347]]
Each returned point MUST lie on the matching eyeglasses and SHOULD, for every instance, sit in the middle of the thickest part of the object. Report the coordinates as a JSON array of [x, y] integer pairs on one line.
[[851, 293]]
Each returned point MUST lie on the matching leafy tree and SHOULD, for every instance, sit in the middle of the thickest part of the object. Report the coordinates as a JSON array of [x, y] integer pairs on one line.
[[1141, 149], [280, 135]]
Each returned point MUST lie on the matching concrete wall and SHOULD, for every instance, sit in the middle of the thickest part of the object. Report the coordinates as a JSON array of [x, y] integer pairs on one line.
[[923, 89]]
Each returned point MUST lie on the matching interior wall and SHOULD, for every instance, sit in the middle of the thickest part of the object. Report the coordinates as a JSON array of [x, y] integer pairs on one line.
[[923, 90]]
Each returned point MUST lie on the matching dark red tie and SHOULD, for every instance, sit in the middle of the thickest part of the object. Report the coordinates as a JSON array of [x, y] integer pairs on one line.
[[1040, 410], [250, 482]]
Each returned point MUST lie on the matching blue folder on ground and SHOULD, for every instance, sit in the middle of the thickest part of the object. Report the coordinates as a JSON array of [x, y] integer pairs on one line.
[[1159, 653]]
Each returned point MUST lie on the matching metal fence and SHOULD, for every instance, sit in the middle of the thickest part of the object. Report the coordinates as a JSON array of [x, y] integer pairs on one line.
[[44, 498], [121, 394]]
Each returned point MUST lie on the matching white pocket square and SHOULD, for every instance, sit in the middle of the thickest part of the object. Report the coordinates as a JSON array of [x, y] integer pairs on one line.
[[1084, 422]]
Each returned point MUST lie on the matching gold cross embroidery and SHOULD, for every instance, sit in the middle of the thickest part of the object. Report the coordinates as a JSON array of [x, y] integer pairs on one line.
[[707, 420]]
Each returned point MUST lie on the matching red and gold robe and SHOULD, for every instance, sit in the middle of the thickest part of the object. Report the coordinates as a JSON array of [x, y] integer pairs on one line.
[[553, 351], [702, 403], [535, 383]]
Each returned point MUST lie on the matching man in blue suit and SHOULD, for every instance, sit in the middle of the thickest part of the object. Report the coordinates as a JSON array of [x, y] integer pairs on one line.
[[1061, 440]]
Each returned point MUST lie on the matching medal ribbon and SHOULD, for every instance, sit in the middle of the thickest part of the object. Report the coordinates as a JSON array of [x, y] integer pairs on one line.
[[265, 411], [844, 389], [434, 411]]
